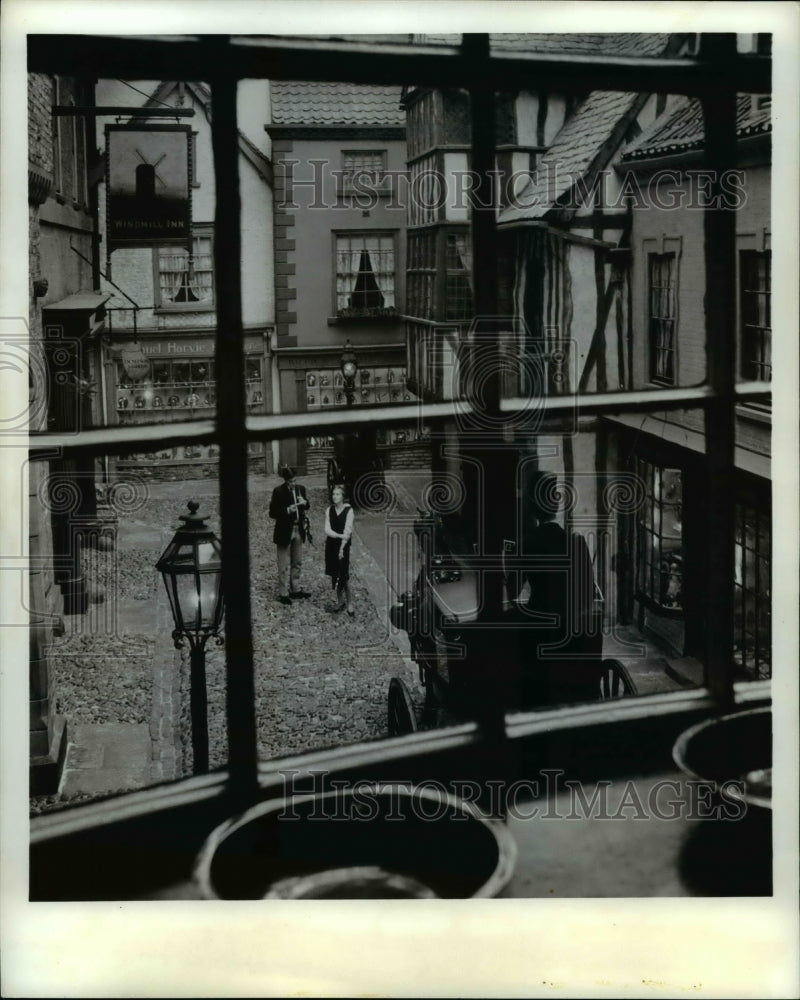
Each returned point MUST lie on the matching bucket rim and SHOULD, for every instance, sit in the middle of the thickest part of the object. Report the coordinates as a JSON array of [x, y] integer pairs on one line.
[[490, 887]]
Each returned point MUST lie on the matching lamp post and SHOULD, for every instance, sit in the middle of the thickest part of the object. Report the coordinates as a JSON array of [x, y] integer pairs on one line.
[[349, 365], [191, 568]]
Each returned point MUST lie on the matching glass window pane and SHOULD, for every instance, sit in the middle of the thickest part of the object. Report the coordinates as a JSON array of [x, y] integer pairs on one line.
[[559, 329]]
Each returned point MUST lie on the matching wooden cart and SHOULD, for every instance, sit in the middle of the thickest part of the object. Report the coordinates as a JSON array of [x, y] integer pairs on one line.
[[440, 616]]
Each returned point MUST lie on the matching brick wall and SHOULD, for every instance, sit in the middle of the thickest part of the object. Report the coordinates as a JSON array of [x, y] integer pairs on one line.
[[187, 472], [411, 456], [40, 148]]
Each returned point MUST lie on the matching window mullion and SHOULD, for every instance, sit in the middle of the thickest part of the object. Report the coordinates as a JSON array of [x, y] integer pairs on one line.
[[486, 370], [719, 113], [229, 356]]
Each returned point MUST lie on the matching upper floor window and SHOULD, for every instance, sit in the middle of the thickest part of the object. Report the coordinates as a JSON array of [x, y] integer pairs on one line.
[[661, 317], [421, 122], [458, 289], [755, 315], [365, 274], [421, 276], [186, 280], [365, 166]]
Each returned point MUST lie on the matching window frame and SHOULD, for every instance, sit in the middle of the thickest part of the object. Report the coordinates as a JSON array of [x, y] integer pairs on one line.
[[741, 590], [200, 230], [644, 591], [660, 257], [751, 253], [365, 312], [453, 274], [376, 183], [421, 273], [232, 430]]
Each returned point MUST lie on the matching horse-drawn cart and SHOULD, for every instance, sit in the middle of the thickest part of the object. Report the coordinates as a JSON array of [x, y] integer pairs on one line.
[[449, 644]]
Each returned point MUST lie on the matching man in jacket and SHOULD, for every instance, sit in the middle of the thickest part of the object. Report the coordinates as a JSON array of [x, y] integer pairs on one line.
[[288, 507], [562, 649]]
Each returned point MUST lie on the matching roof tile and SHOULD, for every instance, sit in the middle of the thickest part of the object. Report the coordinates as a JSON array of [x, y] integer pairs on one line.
[[683, 129], [564, 43], [295, 103]]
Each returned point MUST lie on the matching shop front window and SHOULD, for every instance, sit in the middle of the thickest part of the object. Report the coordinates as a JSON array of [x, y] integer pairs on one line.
[[752, 624], [659, 543]]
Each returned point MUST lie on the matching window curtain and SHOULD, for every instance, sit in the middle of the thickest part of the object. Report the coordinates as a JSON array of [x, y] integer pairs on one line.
[[200, 269], [347, 261], [171, 271], [381, 258]]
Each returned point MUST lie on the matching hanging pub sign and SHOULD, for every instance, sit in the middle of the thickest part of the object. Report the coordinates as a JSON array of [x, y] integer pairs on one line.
[[135, 362], [148, 195]]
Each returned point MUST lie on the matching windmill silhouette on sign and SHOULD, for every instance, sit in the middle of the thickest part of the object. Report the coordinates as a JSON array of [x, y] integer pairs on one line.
[[147, 175]]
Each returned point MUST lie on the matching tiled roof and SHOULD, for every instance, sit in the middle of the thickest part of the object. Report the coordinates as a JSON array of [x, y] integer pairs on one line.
[[336, 104], [601, 43], [682, 129], [572, 153]]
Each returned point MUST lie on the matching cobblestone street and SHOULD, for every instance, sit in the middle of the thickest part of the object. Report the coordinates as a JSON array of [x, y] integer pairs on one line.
[[321, 678]]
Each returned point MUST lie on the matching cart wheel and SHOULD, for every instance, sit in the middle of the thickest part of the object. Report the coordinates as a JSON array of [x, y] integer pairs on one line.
[[401, 717], [615, 681]]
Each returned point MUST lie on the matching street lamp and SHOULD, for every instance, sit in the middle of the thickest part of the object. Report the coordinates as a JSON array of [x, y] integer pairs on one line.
[[349, 365], [191, 568]]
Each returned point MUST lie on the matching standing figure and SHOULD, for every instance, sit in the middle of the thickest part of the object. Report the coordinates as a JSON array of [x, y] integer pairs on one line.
[[561, 650], [338, 532], [288, 507]]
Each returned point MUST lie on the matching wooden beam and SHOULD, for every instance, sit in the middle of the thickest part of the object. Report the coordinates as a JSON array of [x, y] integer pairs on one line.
[[234, 498], [274, 427], [719, 223], [270, 57], [598, 341]]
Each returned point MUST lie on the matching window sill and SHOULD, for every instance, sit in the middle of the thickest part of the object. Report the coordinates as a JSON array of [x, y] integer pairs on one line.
[[365, 317], [755, 413], [61, 841], [184, 307]]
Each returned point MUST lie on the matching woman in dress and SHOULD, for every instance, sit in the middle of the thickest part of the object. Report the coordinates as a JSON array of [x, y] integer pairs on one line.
[[338, 532]]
